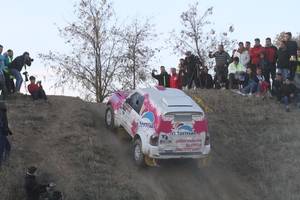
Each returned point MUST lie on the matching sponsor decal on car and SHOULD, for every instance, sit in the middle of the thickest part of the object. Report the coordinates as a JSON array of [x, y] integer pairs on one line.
[[182, 129], [147, 120]]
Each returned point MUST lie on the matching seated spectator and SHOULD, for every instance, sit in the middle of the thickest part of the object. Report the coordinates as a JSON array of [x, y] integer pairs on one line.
[[288, 93], [33, 189], [250, 83], [236, 73], [36, 90], [265, 67], [163, 78], [206, 80], [175, 79], [263, 85], [276, 86], [283, 62]]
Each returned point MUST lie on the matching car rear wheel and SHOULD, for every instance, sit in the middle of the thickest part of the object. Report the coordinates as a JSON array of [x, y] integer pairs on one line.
[[138, 156], [110, 118]]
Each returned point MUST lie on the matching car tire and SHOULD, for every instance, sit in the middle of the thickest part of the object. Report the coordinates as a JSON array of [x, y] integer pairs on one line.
[[110, 118], [138, 156]]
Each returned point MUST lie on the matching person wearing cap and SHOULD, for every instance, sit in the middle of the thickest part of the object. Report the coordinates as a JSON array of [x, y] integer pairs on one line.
[[4, 132], [163, 78], [16, 67], [255, 53], [276, 86], [222, 60], [288, 93], [292, 47], [32, 187]]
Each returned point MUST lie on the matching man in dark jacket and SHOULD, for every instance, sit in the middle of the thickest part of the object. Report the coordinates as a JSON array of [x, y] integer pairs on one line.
[[32, 187], [16, 68], [222, 59], [206, 80], [163, 78], [271, 57], [292, 50], [276, 86], [283, 63], [4, 132], [192, 63]]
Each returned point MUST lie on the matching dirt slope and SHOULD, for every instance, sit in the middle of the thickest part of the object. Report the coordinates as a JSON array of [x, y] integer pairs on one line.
[[68, 142]]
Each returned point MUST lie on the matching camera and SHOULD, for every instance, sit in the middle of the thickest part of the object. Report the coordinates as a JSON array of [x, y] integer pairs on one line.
[[26, 76]]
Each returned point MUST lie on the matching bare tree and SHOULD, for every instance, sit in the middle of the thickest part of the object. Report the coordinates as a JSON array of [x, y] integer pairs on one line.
[[96, 50], [197, 34], [138, 53]]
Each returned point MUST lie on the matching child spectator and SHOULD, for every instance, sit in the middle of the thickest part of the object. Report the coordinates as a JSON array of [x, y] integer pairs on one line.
[[276, 86], [263, 85], [288, 92], [163, 78], [283, 61], [175, 79], [265, 67], [36, 90], [250, 83], [206, 80], [236, 72]]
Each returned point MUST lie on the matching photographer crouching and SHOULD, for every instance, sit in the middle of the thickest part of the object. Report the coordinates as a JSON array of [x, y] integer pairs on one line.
[[16, 67], [36, 90]]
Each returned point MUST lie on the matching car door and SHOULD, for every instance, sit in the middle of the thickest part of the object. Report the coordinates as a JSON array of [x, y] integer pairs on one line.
[[131, 112]]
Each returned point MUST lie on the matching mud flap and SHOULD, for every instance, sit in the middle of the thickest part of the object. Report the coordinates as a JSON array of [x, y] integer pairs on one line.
[[151, 162]]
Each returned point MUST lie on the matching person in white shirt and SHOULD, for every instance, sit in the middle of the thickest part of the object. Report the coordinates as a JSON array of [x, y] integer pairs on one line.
[[243, 55]]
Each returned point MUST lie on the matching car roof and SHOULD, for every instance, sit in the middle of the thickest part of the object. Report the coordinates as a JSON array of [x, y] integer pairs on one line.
[[169, 100]]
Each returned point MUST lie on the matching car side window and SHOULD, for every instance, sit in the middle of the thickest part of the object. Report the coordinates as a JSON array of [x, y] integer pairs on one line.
[[136, 101]]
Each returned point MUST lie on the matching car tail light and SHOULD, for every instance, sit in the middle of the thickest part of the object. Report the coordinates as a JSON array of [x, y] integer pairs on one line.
[[207, 138], [154, 140]]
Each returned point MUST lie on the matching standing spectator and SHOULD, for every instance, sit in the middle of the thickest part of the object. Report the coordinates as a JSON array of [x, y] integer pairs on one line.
[[206, 80], [276, 86], [36, 89], [222, 59], [248, 46], [271, 56], [236, 72], [16, 68], [288, 92], [192, 65], [255, 53], [163, 78], [175, 79], [292, 50], [182, 72], [243, 55], [297, 76], [4, 132], [250, 83], [2, 77], [283, 63], [9, 78]]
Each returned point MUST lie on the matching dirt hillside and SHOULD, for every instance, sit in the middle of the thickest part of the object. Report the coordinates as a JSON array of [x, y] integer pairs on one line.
[[255, 153]]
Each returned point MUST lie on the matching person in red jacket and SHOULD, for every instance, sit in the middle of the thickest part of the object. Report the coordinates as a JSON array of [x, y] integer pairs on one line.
[[271, 57], [175, 80], [36, 90], [255, 53]]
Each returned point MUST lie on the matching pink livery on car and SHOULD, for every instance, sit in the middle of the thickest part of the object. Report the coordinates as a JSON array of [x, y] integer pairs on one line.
[[164, 123]]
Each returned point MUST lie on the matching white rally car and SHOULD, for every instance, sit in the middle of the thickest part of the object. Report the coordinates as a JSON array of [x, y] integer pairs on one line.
[[164, 123]]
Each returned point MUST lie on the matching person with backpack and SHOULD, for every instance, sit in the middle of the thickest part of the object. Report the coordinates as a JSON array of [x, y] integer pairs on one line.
[[5, 146], [163, 78]]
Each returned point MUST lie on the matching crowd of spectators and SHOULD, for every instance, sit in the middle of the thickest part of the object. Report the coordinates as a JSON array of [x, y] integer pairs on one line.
[[250, 70]]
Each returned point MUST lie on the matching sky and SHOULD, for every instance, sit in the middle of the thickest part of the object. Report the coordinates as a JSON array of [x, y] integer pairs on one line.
[[31, 25]]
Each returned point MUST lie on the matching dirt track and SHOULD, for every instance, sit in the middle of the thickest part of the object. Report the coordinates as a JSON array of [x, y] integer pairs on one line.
[[68, 142]]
